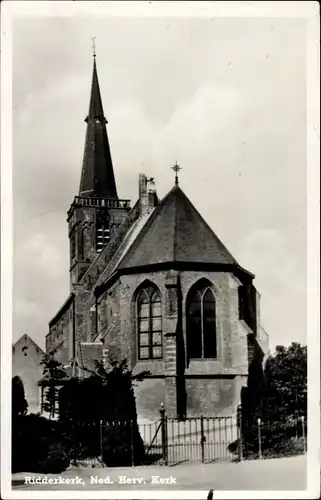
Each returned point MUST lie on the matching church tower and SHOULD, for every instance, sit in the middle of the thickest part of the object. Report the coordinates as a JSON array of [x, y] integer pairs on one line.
[[96, 212]]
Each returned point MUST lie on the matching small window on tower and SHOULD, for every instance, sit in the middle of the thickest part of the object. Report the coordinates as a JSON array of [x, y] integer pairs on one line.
[[102, 237], [73, 244], [102, 231]]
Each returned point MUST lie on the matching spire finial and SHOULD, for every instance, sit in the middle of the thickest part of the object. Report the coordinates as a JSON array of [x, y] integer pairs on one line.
[[93, 38], [176, 169]]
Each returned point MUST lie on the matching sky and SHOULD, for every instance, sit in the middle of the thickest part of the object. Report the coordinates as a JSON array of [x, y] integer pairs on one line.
[[225, 97]]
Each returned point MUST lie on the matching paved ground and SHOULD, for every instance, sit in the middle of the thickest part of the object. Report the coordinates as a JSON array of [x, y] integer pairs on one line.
[[270, 474]]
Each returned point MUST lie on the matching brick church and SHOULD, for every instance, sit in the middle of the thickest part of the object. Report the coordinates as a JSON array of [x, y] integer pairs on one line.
[[153, 284]]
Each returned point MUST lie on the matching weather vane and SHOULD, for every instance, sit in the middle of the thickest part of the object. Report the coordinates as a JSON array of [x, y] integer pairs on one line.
[[93, 38], [176, 169]]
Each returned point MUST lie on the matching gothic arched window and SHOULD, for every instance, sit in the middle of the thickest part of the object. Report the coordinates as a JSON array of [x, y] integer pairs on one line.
[[149, 324], [201, 322]]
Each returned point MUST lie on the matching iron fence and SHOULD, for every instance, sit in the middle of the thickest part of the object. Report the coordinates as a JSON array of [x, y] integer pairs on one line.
[[170, 441], [274, 438], [196, 440]]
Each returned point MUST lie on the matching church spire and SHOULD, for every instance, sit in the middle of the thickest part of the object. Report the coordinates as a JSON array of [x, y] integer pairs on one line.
[[97, 176]]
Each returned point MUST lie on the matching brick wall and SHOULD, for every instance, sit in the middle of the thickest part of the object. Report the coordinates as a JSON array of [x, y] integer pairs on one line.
[[149, 394], [263, 340], [103, 263], [117, 326], [231, 338], [82, 223], [59, 341]]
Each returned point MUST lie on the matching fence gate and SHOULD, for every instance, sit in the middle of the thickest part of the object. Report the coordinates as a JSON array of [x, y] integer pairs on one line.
[[198, 440]]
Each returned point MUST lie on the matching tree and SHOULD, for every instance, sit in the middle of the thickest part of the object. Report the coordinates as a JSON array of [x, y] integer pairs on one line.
[[54, 372], [121, 440], [105, 396], [278, 396], [36, 441], [19, 402], [285, 377]]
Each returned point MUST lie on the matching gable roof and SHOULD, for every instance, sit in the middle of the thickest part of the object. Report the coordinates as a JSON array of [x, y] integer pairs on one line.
[[25, 339], [176, 232]]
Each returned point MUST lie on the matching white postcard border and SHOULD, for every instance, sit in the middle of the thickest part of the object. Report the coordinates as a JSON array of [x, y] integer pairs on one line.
[[308, 10]]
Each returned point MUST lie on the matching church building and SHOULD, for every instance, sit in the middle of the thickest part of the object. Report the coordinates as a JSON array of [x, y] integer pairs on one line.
[[153, 284]]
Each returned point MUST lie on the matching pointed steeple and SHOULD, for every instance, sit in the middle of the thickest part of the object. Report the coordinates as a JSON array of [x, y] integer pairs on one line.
[[97, 176], [96, 106]]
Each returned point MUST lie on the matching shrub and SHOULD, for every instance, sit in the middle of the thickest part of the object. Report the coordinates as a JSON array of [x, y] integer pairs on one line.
[[81, 440], [108, 397], [56, 460], [36, 445], [19, 402], [122, 444], [278, 438]]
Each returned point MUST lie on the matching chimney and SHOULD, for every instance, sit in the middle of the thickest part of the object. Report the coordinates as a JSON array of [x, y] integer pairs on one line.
[[147, 196]]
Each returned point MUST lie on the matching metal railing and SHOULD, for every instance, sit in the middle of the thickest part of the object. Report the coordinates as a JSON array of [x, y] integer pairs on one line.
[[195, 439], [170, 441], [273, 438], [101, 202]]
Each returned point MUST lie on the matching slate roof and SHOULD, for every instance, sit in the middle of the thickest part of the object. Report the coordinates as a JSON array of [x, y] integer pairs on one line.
[[97, 176], [176, 232]]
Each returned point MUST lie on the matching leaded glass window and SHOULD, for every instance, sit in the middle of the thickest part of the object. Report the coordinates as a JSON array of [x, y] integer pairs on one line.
[[149, 324]]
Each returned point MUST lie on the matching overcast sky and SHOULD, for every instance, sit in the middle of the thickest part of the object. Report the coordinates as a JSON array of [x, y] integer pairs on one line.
[[223, 97]]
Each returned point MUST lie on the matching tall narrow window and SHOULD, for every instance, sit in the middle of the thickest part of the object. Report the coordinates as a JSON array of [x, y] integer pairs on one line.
[[93, 321], [149, 324], [73, 243], [201, 322]]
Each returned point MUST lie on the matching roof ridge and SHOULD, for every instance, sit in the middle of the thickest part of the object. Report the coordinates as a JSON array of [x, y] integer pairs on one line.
[[209, 227], [175, 188]]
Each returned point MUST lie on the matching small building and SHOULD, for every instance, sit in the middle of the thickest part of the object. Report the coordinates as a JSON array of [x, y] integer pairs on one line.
[[26, 359]]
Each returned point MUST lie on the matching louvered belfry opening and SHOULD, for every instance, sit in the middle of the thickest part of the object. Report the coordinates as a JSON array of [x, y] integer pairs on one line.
[[102, 229]]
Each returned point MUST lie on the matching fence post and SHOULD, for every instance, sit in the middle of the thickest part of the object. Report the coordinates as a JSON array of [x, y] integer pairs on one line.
[[239, 432], [162, 412], [203, 439], [101, 438], [41, 399], [259, 436], [303, 433], [132, 443]]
